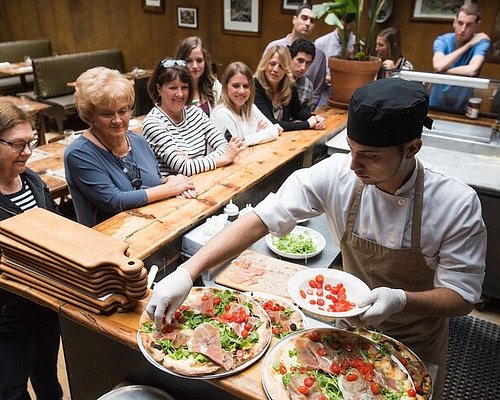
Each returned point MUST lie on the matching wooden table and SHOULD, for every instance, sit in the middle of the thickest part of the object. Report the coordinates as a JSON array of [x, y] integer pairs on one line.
[[33, 109], [20, 69]]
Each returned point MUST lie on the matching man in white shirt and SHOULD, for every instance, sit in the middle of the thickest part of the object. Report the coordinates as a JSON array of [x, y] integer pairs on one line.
[[303, 23], [416, 237]]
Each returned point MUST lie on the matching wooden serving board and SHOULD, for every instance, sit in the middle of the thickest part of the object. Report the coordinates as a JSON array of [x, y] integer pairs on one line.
[[271, 275], [68, 241]]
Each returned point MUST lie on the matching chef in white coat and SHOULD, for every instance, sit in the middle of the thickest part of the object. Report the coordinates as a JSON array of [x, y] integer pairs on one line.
[[415, 236]]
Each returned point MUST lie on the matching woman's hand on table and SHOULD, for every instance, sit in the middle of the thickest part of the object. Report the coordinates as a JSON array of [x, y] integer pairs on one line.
[[316, 122], [180, 184], [234, 147], [168, 295]]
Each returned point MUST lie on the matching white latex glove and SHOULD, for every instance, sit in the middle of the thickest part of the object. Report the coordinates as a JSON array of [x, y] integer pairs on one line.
[[168, 295], [384, 302]]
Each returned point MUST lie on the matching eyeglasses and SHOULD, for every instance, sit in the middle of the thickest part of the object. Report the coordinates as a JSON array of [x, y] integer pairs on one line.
[[132, 171], [19, 145], [172, 63]]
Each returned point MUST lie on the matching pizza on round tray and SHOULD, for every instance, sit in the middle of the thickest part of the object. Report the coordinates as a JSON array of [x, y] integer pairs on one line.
[[213, 333], [328, 363]]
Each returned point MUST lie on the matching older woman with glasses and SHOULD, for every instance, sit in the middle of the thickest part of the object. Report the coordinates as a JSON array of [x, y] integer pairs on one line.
[[29, 333], [109, 169], [181, 135]]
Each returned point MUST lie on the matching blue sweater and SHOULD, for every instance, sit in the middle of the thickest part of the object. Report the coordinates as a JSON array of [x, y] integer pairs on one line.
[[98, 185]]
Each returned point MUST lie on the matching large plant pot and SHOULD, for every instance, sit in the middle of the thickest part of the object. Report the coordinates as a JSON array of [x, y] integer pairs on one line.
[[348, 75]]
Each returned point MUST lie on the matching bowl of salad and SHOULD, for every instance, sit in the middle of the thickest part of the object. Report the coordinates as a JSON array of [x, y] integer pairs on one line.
[[301, 243]]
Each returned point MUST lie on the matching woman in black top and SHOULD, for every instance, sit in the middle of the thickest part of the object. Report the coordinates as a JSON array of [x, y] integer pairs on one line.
[[276, 95], [29, 333]]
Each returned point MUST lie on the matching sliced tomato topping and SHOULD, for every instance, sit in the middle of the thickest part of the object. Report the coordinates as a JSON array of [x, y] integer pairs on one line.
[[282, 369], [321, 352], [309, 381], [335, 368], [411, 393], [244, 333], [217, 301], [351, 377], [313, 284], [303, 389], [319, 278], [205, 297], [375, 388], [303, 294]]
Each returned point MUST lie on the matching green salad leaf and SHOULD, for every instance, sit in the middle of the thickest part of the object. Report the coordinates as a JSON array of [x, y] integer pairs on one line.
[[295, 243]]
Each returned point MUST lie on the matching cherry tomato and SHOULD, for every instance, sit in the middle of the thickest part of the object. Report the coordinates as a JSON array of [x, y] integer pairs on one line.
[[303, 389], [345, 364], [217, 301], [310, 291], [240, 353], [351, 377], [313, 284], [315, 336], [319, 278], [302, 294], [205, 297], [323, 398], [411, 393], [335, 368], [375, 388], [282, 369], [312, 301], [321, 352], [244, 333], [320, 302], [309, 381], [319, 292], [248, 326]]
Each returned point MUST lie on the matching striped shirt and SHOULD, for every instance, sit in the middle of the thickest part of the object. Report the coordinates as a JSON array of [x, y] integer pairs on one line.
[[183, 148], [24, 199]]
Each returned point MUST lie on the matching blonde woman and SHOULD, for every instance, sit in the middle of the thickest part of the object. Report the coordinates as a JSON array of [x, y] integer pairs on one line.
[[236, 114], [276, 95], [108, 168]]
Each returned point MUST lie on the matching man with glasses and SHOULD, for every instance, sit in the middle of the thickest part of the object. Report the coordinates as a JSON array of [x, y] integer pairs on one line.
[[459, 53]]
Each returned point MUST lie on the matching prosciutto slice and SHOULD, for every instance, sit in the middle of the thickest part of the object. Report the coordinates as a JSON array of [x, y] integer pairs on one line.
[[206, 340], [307, 354], [356, 390]]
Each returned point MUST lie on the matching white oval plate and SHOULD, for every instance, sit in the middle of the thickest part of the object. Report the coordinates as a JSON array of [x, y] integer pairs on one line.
[[317, 238], [356, 289]]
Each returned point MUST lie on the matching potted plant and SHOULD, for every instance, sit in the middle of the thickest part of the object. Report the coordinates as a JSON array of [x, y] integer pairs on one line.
[[352, 69]]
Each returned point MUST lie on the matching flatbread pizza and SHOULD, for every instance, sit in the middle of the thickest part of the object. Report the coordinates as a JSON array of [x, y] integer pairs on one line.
[[214, 332], [328, 363]]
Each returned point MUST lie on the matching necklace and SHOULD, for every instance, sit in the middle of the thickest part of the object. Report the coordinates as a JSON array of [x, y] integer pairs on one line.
[[129, 147]]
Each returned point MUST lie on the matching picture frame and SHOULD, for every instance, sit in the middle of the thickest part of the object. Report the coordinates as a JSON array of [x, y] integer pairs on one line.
[[153, 6], [187, 17], [430, 10], [241, 17], [290, 6], [493, 54]]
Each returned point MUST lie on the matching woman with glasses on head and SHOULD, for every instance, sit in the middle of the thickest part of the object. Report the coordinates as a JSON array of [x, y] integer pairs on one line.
[[109, 169], [236, 115], [206, 87], [29, 333], [277, 97], [181, 135]]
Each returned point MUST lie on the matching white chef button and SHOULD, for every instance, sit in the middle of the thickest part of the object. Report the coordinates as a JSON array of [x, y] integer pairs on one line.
[[401, 202], [364, 230], [391, 238]]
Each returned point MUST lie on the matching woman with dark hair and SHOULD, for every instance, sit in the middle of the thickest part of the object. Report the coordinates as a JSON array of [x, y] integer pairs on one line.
[[108, 168], [182, 135], [236, 112], [29, 333], [206, 88], [388, 48], [277, 97]]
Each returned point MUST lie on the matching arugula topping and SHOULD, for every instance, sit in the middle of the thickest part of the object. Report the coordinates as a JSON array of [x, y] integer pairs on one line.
[[301, 243], [148, 327]]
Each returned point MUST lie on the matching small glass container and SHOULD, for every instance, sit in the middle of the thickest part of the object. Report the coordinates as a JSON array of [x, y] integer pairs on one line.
[[473, 107]]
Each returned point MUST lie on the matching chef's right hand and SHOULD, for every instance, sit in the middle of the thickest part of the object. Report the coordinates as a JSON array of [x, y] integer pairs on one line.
[[168, 295]]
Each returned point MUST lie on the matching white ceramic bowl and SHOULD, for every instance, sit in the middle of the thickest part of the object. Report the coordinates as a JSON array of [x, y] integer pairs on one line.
[[318, 240], [356, 289]]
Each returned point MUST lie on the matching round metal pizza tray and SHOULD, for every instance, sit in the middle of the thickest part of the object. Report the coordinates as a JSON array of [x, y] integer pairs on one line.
[[132, 392], [270, 358], [208, 376]]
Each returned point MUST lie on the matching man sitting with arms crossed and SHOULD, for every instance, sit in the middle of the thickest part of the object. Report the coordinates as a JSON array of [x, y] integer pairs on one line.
[[459, 53], [303, 52], [413, 235]]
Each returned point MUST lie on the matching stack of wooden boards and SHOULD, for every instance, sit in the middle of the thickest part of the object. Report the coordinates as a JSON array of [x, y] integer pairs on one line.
[[71, 262]]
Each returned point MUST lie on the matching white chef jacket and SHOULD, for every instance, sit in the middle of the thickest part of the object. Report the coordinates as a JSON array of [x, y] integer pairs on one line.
[[453, 234]]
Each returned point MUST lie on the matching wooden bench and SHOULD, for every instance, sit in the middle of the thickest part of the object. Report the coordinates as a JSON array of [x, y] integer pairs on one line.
[[16, 51], [52, 75]]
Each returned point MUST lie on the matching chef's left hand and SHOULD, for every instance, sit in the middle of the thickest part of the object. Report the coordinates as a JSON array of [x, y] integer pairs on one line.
[[384, 302]]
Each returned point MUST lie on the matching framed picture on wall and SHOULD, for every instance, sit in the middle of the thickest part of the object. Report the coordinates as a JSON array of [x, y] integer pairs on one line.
[[431, 10], [290, 6], [241, 17], [494, 50], [156, 6], [187, 17]]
